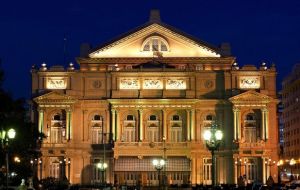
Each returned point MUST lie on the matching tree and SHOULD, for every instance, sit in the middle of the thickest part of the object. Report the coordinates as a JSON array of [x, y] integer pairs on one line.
[[13, 115]]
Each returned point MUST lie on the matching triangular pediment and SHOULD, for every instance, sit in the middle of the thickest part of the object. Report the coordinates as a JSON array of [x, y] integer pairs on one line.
[[251, 97], [55, 97], [131, 44]]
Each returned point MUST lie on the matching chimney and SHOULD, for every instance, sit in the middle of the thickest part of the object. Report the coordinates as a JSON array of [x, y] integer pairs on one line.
[[154, 15]]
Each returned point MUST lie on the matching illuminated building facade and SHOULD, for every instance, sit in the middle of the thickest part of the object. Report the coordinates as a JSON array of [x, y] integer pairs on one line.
[[150, 94], [291, 121]]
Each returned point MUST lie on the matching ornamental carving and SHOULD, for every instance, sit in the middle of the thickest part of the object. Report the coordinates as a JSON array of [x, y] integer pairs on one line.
[[129, 84], [176, 84], [152, 84], [97, 84], [208, 84], [56, 83], [249, 82]]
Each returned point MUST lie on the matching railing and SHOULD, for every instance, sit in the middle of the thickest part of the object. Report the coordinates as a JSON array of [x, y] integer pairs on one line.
[[153, 144], [252, 144]]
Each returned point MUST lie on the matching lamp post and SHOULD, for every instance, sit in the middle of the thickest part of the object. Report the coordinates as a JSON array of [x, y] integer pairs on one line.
[[292, 163], [159, 165], [213, 137], [102, 167], [279, 165], [239, 164], [5, 137], [269, 164]]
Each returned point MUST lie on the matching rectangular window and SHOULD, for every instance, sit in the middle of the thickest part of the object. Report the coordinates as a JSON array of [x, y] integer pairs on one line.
[[129, 134], [97, 135], [207, 169], [250, 134], [56, 135], [155, 45]]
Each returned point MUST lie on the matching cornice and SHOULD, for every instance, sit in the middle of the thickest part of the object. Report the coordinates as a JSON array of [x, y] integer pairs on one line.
[[174, 60]]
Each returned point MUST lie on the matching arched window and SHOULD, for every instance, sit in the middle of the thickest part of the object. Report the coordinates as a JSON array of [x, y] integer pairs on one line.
[[175, 118], [209, 118], [251, 131], [97, 117], [155, 43], [56, 117], [152, 118], [250, 117], [97, 130], [176, 129], [129, 130], [58, 127], [129, 118]]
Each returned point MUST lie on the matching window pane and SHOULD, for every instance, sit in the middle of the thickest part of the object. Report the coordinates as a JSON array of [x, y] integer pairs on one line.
[[152, 117], [155, 45], [146, 47], [163, 46], [129, 117]]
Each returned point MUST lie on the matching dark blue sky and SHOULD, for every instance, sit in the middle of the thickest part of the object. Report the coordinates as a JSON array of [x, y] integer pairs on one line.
[[32, 32]]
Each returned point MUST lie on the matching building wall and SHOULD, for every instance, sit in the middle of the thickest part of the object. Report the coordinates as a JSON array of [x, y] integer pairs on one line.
[[290, 117], [75, 109]]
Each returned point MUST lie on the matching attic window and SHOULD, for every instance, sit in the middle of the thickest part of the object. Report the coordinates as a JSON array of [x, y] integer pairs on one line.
[[155, 43]]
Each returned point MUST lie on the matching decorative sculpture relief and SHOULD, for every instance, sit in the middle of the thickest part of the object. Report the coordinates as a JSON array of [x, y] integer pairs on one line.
[[176, 84], [129, 83], [249, 82], [152, 84], [56, 83], [208, 84], [97, 84]]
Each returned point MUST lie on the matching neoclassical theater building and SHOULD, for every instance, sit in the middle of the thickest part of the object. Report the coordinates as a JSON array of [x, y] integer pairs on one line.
[[150, 93]]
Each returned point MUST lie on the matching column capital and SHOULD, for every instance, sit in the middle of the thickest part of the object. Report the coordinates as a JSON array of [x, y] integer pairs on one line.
[[40, 109], [236, 109], [70, 109]]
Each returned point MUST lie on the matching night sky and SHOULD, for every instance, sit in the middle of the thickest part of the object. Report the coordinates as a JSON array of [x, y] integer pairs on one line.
[[33, 32]]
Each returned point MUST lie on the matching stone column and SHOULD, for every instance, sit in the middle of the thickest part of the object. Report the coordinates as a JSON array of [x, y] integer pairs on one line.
[[194, 171], [188, 125], [192, 116], [83, 125], [41, 120], [164, 125], [69, 124], [141, 132], [105, 121], [113, 124], [236, 170], [265, 123], [264, 172], [237, 123], [118, 126]]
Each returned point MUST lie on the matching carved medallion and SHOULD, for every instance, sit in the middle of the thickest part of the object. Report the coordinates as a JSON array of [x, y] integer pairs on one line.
[[97, 84], [208, 84]]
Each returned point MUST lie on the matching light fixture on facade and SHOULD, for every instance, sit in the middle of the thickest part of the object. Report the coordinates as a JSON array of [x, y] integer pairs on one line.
[[43, 67]]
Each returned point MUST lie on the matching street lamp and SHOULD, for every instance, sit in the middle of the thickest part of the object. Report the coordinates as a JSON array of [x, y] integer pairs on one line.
[[279, 165], [102, 167], [269, 165], [159, 165], [5, 137], [292, 163], [213, 137], [239, 164]]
